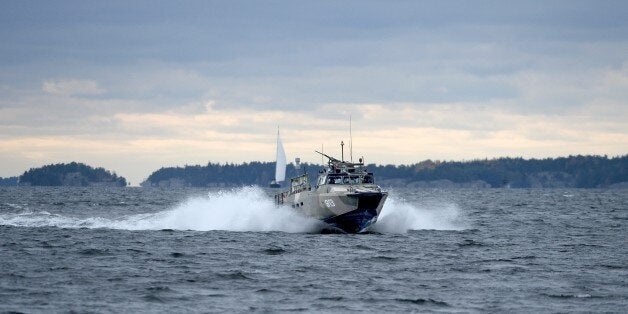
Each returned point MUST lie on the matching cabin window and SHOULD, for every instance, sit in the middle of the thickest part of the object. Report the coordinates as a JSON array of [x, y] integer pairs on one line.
[[344, 179], [334, 180], [321, 180]]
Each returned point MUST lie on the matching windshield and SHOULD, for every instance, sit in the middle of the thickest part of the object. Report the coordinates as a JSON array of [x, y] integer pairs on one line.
[[346, 179]]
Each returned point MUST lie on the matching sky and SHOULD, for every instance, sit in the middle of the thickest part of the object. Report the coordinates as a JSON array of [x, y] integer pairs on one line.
[[133, 86]]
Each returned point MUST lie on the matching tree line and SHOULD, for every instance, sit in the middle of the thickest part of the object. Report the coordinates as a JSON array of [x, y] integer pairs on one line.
[[75, 174], [572, 171], [9, 181]]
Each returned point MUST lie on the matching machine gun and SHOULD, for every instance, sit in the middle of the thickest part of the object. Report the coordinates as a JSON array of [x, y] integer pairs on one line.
[[335, 163], [331, 159]]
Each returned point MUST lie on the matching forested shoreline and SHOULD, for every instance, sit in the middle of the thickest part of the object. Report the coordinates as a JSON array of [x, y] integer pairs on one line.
[[562, 172], [70, 174], [568, 172], [9, 181]]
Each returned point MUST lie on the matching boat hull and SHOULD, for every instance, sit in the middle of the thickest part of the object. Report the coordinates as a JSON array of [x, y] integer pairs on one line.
[[355, 221], [348, 211]]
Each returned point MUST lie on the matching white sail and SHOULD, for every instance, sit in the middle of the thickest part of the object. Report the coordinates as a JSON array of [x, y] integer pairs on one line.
[[280, 166]]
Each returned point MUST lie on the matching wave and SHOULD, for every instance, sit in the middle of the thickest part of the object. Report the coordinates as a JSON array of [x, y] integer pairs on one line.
[[401, 217], [243, 209]]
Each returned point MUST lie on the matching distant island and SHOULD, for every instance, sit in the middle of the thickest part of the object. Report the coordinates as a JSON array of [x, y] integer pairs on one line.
[[563, 172], [71, 174], [10, 181], [226, 175]]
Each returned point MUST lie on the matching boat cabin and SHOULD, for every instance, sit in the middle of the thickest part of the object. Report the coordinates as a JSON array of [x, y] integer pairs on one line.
[[340, 172], [344, 178]]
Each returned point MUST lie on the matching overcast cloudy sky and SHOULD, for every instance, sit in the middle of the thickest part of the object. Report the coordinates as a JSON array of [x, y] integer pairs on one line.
[[132, 86]]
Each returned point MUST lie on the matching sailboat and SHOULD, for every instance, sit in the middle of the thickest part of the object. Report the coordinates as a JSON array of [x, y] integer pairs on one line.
[[280, 165]]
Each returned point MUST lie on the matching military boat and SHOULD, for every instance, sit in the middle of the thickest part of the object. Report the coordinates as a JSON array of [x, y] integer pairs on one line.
[[345, 196]]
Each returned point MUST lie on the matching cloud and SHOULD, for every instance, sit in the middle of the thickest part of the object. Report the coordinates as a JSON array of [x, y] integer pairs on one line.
[[213, 80], [403, 133], [70, 87]]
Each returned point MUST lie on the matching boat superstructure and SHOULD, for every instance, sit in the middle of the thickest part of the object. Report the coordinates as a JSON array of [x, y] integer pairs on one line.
[[344, 196]]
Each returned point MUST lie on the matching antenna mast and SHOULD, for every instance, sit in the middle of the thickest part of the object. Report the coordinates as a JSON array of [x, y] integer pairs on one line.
[[342, 151], [350, 140]]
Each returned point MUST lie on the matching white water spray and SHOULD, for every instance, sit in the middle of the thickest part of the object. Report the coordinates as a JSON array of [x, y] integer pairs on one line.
[[401, 217], [244, 209]]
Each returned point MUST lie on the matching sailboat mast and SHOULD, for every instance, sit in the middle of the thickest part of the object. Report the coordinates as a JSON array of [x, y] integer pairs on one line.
[[277, 157]]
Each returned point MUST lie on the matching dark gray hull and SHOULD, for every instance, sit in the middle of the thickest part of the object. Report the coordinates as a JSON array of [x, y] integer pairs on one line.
[[346, 211]]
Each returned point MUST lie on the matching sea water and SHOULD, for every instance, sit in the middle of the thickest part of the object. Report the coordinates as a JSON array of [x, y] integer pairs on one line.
[[199, 250]]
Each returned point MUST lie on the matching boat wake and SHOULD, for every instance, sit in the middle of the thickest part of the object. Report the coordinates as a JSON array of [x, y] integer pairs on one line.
[[243, 209], [401, 217]]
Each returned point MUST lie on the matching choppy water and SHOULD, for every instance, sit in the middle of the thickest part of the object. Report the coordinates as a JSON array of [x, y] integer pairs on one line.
[[193, 250]]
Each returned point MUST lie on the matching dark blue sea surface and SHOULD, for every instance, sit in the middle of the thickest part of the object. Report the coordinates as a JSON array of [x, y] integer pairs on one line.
[[196, 250]]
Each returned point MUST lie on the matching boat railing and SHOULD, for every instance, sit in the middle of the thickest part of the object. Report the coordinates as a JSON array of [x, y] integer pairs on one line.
[[280, 198], [297, 185]]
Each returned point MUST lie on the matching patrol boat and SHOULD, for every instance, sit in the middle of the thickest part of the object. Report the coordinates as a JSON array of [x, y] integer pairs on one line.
[[345, 196]]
